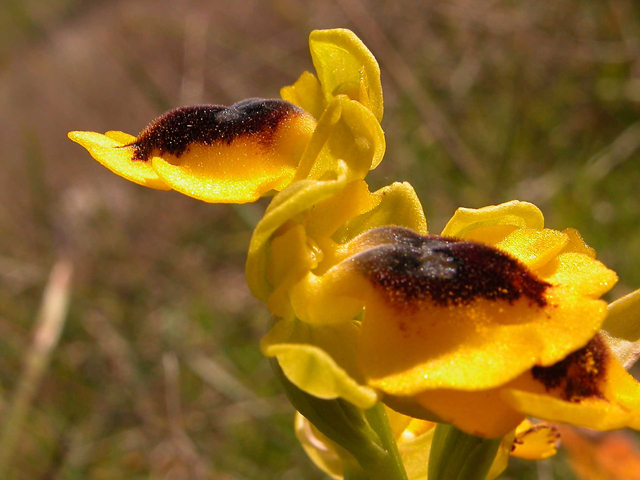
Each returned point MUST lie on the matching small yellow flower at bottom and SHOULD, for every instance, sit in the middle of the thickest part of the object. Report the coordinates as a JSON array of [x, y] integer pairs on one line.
[[414, 436]]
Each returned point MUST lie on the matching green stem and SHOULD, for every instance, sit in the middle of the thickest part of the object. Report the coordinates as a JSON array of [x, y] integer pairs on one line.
[[392, 466], [353, 470], [370, 450], [456, 455]]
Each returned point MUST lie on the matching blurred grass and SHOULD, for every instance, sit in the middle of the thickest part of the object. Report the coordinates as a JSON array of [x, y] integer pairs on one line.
[[157, 374]]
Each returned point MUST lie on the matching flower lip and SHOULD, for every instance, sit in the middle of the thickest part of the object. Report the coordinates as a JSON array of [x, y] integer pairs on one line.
[[174, 131], [410, 268], [579, 375]]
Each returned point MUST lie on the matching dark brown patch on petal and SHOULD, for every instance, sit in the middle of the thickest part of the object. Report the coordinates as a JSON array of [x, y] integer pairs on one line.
[[579, 375], [410, 268], [177, 129]]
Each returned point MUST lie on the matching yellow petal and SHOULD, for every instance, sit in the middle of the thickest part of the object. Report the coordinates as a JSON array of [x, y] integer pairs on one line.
[[481, 413], [395, 205], [397, 421], [324, 300], [322, 451], [623, 319], [327, 216], [398, 205], [345, 66], [532, 247], [510, 214], [306, 93], [347, 132], [591, 413], [605, 396], [292, 256], [240, 170], [577, 244], [579, 274], [110, 151], [502, 457], [411, 343], [120, 137], [355, 201], [415, 449], [295, 199], [470, 347], [314, 358], [535, 441]]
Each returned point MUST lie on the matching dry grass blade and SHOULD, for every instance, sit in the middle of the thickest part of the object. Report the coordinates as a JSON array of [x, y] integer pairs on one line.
[[191, 465], [620, 150], [51, 319]]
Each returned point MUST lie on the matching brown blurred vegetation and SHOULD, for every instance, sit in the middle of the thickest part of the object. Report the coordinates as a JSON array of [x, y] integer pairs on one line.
[[158, 374]]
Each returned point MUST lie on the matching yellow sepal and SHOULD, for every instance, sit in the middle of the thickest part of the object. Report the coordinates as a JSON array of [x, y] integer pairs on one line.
[[314, 358], [306, 93], [623, 319], [511, 214], [329, 215], [321, 450], [398, 205], [345, 66], [293, 200], [535, 248], [347, 132]]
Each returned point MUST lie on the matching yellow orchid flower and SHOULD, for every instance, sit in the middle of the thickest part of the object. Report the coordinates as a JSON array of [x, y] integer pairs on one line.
[[306, 240], [239, 153], [494, 320]]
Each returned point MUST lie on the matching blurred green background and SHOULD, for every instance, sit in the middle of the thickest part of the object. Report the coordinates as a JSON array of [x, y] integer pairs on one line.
[[157, 373]]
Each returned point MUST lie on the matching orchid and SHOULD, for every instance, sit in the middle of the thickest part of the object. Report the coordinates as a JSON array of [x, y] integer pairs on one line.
[[495, 319]]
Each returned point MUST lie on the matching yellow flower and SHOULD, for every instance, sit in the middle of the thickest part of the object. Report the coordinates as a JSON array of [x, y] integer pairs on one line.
[[494, 320], [255, 147], [414, 436]]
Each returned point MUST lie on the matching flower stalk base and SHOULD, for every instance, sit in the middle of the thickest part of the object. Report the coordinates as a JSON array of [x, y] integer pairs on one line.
[[456, 455], [364, 437]]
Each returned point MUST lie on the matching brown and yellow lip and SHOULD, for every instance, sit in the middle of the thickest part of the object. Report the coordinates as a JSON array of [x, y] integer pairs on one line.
[[177, 130]]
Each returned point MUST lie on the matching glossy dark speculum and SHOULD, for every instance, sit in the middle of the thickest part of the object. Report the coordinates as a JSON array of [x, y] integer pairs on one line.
[[174, 131], [409, 268]]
